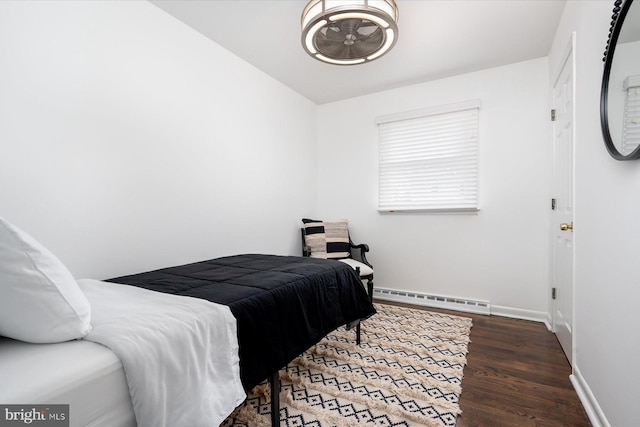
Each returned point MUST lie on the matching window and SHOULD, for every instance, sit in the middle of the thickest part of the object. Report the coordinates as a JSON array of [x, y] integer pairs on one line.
[[631, 125], [428, 159]]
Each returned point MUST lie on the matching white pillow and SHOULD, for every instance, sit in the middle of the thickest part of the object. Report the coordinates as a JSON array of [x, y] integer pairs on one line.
[[40, 301]]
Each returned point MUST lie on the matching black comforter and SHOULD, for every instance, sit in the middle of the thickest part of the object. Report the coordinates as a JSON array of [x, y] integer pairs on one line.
[[283, 305]]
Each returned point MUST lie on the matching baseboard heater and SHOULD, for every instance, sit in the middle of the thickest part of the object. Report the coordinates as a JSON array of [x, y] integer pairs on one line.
[[438, 301]]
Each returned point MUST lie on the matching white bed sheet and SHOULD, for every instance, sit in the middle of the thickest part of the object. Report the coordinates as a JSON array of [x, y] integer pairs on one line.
[[87, 376], [179, 354]]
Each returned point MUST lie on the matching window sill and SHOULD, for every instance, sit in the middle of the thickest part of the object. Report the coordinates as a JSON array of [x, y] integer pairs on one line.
[[457, 211]]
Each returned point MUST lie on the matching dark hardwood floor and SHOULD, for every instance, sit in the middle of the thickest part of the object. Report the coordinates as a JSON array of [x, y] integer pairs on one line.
[[516, 375]]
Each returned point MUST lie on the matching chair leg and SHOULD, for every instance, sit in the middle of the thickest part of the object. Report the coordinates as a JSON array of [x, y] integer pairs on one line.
[[358, 333], [370, 289]]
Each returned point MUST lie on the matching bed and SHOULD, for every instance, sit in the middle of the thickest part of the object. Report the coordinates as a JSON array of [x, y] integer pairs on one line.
[[281, 305]]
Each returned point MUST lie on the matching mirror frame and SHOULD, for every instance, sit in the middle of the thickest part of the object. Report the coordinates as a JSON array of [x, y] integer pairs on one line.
[[620, 9]]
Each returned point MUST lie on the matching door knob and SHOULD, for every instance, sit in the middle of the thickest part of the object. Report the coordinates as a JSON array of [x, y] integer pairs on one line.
[[564, 226]]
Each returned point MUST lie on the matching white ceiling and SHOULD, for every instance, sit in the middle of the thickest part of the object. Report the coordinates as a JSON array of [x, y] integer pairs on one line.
[[438, 38]]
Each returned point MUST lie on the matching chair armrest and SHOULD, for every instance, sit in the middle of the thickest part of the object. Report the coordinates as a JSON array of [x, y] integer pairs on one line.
[[362, 246], [358, 252]]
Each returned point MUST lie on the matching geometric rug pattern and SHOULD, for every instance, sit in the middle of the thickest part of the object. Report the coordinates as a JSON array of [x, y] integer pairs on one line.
[[407, 371]]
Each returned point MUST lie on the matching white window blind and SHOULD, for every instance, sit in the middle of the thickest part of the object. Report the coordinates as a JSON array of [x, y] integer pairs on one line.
[[631, 125], [428, 159]]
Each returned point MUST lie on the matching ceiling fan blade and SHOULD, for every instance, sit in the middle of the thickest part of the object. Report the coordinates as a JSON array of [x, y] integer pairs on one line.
[[332, 33], [349, 38], [349, 26], [359, 50], [367, 28], [331, 49], [374, 38]]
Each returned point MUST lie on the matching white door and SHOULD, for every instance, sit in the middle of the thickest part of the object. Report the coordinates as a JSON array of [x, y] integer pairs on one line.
[[562, 206]]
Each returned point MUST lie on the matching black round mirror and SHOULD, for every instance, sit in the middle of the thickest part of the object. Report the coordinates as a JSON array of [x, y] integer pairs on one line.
[[620, 95]]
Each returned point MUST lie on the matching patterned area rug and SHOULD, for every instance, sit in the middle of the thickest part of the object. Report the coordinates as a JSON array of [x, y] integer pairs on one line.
[[406, 372]]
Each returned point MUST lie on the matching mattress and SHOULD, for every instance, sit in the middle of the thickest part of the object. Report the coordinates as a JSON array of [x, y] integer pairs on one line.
[[83, 374]]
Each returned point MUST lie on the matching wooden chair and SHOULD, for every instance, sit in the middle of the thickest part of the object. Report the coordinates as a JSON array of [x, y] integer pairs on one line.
[[331, 240]]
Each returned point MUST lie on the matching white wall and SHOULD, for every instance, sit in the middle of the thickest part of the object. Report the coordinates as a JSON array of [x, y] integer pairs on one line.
[[500, 254], [607, 209], [129, 141]]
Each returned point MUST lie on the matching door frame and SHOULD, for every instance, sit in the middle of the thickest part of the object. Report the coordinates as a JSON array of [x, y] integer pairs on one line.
[[568, 57]]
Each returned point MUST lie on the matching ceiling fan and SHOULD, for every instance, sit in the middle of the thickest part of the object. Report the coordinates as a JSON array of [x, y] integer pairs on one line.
[[349, 32]]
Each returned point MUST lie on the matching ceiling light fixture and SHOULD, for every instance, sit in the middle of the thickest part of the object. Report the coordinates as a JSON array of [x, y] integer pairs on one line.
[[346, 32]]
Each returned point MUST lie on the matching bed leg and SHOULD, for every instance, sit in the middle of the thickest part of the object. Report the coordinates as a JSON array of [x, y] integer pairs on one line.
[[275, 400]]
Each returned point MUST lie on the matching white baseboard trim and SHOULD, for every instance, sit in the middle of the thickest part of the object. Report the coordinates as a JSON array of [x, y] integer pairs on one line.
[[433, 300], [459, 304], [589, 402], [520, 313], [549, 322]]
